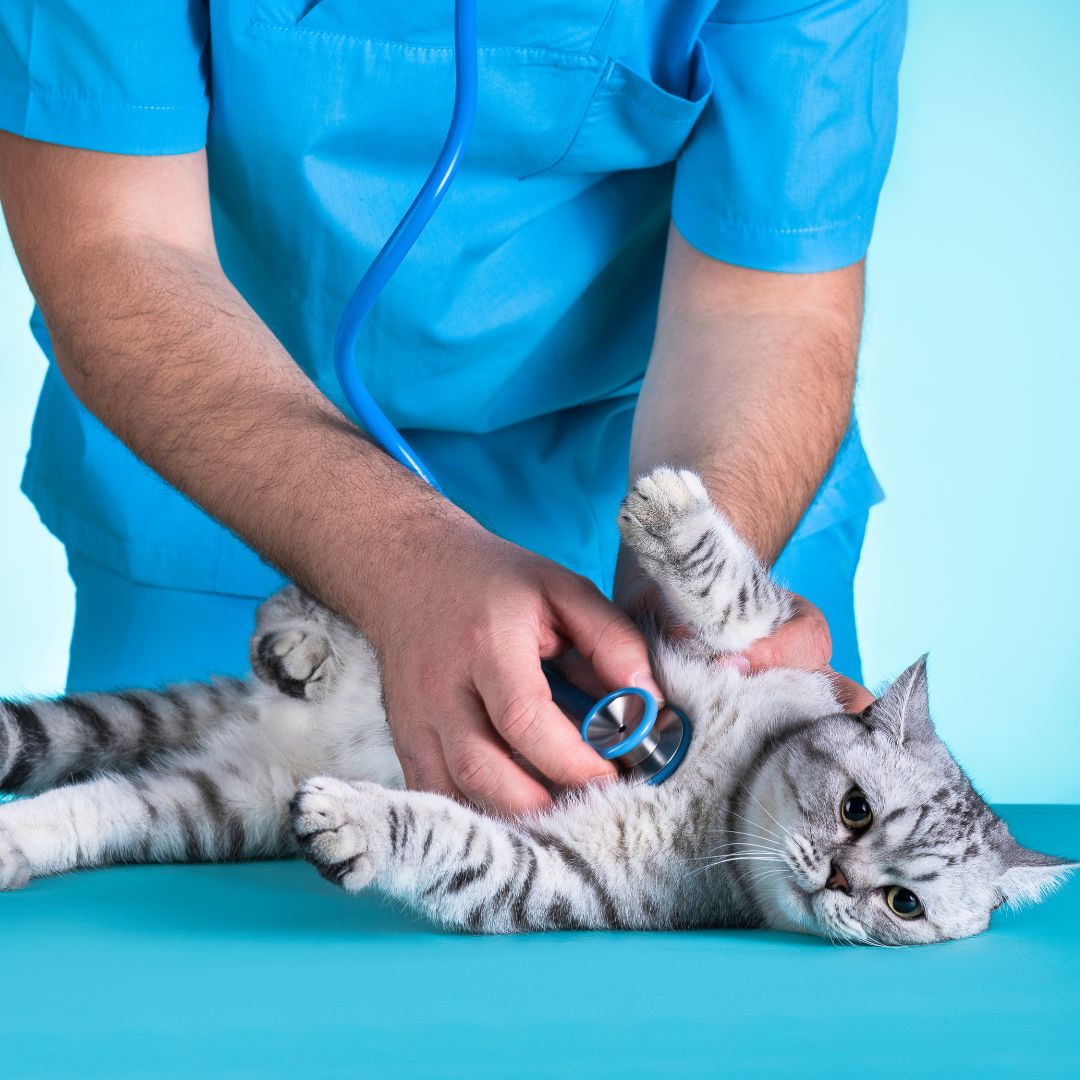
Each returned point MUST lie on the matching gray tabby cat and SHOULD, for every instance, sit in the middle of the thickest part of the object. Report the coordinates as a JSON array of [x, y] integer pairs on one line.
[[787, 812]]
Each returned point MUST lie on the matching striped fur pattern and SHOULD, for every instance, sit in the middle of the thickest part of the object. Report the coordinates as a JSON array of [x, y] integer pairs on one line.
[[750, 832], [708, 576]]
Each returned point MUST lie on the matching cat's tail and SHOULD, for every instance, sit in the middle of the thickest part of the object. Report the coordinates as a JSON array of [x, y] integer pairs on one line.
[[712, 582], [49, 741]]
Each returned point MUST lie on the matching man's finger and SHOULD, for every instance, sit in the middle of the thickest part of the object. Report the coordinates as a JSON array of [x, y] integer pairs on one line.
[[605, 636], [802, 642], [482, 768], [518, 700], [573, 667]]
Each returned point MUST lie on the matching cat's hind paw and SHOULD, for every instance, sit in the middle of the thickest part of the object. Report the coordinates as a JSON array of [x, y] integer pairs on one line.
[[297, 661], [342, 830], [14, 866]]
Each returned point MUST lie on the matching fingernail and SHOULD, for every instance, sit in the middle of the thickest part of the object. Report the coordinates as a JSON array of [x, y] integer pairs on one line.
[[648, 683], [734, 660]]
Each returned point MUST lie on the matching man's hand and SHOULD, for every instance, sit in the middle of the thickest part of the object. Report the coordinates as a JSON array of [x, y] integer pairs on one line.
[[461, 650], [803, 642], [158, 344]]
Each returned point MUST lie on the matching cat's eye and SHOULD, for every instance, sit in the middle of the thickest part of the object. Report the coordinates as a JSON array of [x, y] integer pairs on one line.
[[855, 810], [903, 902]]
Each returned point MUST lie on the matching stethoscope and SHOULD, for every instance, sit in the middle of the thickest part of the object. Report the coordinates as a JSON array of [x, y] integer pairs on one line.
[[626, 727]]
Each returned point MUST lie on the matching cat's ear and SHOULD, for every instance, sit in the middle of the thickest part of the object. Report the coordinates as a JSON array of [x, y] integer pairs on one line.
[[1030, 876], [903, 711]]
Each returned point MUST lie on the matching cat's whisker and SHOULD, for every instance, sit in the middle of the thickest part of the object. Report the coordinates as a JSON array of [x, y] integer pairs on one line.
[[756, 828], [766, 873], [697, 870], [877, 943], [852, 932], [757, 825], [745, 835], [746, 788], [735, 857], [748, 857], [846, 936], [746, 820], [742, 845], [758, 834], [833, 934], [744, 851], [842, 937]]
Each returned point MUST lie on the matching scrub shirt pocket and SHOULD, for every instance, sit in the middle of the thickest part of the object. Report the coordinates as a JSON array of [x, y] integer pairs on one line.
[[631, 122]]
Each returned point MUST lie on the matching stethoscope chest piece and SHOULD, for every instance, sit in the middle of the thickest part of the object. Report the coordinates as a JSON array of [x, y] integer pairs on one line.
[[647, 743]]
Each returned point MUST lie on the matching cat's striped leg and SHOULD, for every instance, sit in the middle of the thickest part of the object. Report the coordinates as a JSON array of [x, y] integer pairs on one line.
[[200, 810], [45, 742], [458, 867], [711, 580]]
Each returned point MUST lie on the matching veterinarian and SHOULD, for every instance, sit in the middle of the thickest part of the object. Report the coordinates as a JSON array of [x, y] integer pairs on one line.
[[654, 253]]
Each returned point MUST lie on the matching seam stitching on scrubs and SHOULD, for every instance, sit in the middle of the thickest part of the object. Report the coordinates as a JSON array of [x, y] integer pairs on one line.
[[44, 91], [583, 59], [743, 223]]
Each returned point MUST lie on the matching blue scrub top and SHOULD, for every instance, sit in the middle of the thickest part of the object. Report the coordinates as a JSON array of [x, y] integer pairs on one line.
[[511, 344]]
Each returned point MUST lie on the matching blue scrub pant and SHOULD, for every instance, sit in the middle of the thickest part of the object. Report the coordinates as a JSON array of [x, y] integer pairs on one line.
[[132, 635]]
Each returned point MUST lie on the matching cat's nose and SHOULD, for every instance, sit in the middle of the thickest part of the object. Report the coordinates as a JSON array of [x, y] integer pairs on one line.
[[837, 879]]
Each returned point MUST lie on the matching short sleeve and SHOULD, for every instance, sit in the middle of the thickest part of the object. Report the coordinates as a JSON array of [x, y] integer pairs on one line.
[[123, 76], [784, 168]]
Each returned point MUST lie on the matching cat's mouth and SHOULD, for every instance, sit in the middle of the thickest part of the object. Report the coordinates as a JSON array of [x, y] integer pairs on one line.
[[816, 901]]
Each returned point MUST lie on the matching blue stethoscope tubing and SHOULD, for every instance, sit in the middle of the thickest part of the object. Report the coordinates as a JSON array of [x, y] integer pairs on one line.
[[402, 239], [371, 415]]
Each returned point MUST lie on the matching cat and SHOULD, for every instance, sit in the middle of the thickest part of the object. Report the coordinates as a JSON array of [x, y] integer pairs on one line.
[[787, 813]]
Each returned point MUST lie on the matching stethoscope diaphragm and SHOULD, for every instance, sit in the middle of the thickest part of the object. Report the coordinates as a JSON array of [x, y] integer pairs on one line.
[[646, 742]]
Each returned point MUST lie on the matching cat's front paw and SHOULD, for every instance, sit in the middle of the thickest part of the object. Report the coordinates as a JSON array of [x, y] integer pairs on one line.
[[14, 866], [662, 510], [342, 829], [298, 661]]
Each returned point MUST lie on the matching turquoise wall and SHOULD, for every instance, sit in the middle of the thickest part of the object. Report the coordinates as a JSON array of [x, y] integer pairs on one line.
[[968, 397], [36, 605], [970, 389]]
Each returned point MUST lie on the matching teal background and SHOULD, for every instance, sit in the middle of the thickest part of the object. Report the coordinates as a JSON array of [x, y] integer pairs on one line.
[[967, 399]]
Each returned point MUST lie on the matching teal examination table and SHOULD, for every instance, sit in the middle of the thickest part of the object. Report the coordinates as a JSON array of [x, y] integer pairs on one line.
[[264, 970]]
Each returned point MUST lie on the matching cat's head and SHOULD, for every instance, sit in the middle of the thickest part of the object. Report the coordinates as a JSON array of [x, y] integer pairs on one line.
[[880, 835]]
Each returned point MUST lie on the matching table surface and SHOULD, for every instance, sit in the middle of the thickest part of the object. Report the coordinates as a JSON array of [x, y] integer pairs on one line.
[[264, 970]]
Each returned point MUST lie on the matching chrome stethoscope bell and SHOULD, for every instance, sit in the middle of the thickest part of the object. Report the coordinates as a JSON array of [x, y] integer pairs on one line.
[[626, 727]]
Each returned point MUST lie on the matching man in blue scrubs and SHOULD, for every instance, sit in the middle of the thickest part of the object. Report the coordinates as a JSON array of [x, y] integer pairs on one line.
[[653, 254]]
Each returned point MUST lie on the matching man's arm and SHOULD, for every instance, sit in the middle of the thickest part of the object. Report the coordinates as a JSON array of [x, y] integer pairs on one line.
[[750, 385], [155, 341]]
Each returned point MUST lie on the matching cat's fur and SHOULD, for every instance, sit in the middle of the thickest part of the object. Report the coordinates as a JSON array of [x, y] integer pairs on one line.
[[746, 833]]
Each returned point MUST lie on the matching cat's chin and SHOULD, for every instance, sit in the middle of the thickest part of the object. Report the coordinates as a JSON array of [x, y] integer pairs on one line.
[[788, 908], [819, 913], [792, 909]]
